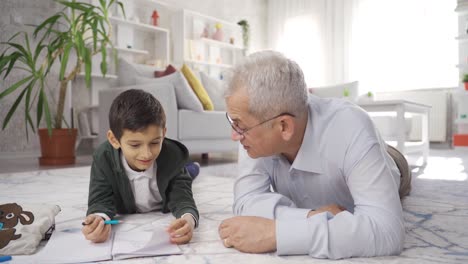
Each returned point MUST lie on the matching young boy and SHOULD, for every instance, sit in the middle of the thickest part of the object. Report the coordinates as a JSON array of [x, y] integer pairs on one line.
[[138, 170]]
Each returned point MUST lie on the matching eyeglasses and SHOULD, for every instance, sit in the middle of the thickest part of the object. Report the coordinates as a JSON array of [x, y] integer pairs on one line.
[[241, 131]]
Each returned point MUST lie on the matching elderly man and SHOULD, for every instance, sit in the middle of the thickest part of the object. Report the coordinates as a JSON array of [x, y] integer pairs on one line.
[[314, 175]]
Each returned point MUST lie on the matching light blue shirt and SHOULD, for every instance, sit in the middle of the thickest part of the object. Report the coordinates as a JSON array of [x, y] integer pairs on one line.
[[342, 160]]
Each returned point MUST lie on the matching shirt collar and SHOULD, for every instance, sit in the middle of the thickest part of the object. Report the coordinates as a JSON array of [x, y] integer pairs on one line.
[[308, 157], [132, 174]]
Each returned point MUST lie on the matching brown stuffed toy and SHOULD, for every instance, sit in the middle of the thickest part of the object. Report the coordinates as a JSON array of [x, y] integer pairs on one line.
[[10, 215]]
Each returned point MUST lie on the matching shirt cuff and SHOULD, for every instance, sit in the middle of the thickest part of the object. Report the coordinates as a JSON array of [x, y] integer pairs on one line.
[[192, 220], [299, 236], [103, 215], [286, 212]]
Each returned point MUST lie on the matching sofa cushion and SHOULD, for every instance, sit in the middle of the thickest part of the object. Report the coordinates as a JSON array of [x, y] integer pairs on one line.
[[203, 125], [337, 90], [197, 88], [215, 89], [169, 70], [186, 98], [129, 72]]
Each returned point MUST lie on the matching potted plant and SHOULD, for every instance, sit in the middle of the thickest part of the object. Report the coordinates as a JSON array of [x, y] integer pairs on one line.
[[68, 39], [245, 34], [465, 81]]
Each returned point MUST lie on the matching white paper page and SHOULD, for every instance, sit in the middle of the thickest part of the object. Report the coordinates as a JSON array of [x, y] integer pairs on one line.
[[70, 246], [134, 244]]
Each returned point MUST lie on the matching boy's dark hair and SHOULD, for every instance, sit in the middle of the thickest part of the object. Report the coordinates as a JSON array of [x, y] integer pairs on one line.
[[135, 110]]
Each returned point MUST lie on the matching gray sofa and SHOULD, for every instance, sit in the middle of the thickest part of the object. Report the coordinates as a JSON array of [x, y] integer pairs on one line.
[[200, 131]]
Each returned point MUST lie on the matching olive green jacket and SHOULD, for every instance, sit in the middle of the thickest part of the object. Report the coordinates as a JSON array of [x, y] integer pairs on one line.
[[110, 191]]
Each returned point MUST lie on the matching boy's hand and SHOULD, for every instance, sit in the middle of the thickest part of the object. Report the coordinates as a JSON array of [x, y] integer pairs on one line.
[[95, 230], [181, 230]]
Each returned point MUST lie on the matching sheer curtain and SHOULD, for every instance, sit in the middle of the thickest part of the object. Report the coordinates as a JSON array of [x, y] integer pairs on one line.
[[385, 45], [312, 32]]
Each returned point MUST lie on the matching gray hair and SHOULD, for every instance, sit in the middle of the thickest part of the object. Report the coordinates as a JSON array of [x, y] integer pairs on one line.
[[274, 84]]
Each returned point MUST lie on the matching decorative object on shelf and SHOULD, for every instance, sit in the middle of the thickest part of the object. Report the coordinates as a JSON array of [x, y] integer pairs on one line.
[[200, 29], [245, 34], [219, 34], [465, 81], [65, 45], [206, 32], [232, 40], [154, 18]]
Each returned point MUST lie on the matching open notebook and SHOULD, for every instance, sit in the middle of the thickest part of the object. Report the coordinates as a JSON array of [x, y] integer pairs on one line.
[[70, 246]]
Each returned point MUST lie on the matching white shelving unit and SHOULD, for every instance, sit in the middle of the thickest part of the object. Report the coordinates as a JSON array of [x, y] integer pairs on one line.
[[461, 121], [193, 42], [136, 39]]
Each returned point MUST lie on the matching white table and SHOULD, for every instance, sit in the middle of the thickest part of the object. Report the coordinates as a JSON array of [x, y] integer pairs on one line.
[[401, 107]]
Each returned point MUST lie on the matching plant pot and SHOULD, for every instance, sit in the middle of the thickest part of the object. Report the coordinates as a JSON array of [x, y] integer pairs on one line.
[[59, 148], [466, 85]]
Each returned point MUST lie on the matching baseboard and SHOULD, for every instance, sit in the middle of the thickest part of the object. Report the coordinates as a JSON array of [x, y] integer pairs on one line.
[[16, 155]]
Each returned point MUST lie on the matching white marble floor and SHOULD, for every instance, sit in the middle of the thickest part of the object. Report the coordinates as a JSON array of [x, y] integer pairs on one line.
[[436, 212]]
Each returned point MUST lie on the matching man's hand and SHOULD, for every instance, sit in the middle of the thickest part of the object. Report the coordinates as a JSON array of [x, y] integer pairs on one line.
[[181, 230], [249, 234], [332, 208], [95, 230]]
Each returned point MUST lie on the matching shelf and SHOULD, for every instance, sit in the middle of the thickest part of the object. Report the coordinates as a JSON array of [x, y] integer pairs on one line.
[[140, 26], [462, 9], [220, 44], [461, 121], [209, 64], [137, 51], [156, 3], [210, 18], [95, 75]]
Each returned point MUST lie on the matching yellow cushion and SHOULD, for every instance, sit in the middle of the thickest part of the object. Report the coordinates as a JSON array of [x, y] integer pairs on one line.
[[198, 88]]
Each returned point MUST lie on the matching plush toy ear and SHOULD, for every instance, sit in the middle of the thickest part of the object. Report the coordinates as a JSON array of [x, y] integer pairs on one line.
[[23, 219]]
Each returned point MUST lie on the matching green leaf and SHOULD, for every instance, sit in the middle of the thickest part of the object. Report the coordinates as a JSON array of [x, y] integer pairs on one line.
[[51, 20], [28, 108], [88, 66], [80, 47], [66, 54], [29, 121], [75, 5], [14, 36], [18, 47], [40, 105], [13, 109], [95, 37], [38, 51], [13, 58], [104, 58], [48, 116], [122, 8], [15, 86]]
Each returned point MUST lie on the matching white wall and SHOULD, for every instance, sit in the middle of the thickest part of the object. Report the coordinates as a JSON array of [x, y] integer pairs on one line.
[[15, 13]]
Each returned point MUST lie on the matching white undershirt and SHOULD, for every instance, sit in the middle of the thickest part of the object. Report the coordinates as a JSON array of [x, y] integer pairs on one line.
[[144, 187]]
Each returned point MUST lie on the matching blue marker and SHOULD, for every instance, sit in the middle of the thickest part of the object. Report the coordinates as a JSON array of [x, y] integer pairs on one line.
[[109, 222], [5, 258], [112, 222]]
